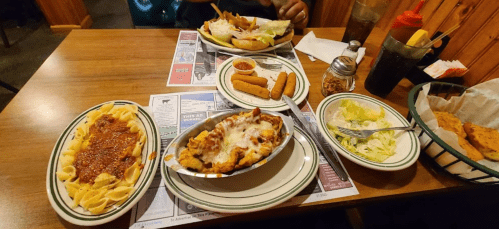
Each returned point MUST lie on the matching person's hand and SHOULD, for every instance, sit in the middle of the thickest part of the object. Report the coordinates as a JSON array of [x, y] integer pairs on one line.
[[296, 11], [265, 2]]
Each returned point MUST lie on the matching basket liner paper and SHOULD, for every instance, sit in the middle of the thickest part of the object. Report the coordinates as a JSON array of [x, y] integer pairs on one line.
[[478, 105]]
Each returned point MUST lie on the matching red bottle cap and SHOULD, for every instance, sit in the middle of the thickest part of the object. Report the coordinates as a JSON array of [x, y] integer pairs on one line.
[[410, 18]]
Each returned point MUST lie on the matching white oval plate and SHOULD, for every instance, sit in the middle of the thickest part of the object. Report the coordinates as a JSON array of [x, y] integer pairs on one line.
[[269, 185], [58, 196], [407, 150], [259, 21], [245, 100]]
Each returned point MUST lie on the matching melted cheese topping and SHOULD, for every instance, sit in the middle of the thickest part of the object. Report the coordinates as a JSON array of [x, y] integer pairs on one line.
[[240, 136], [236, 142]]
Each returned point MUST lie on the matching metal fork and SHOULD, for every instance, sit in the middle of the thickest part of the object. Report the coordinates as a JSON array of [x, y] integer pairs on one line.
[[268, 66], [367, 133], [260, 62]]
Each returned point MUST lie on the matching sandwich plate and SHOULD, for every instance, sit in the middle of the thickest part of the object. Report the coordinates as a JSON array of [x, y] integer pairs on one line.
[[58, 195], [408, 146], [259, 21], [245, 100]]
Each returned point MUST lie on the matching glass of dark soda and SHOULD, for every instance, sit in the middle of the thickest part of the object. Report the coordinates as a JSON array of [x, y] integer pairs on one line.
[[364, 15], [394, 60]]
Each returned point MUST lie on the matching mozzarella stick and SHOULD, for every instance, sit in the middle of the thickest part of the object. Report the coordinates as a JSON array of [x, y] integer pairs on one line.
[[278, 86], [251, 89], [289, 89], [260, 81]]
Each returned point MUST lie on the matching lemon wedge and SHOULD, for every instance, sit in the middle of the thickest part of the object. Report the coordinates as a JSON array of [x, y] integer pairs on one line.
[[419, 38]]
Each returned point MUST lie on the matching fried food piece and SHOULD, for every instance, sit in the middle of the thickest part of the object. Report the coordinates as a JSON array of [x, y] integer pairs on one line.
[[485, 140], [206, 26], [289, 89], [249, 44], [251, 89], [473, 153], [188, 160], [255, 80], [450, 122], [218, 10], [278, 86]]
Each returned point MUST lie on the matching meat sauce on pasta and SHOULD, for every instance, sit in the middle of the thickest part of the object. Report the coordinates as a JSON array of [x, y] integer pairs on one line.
[[109, 150]]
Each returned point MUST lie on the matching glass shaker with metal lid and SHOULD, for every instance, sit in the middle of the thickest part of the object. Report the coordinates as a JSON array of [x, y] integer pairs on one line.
[[339, 77]]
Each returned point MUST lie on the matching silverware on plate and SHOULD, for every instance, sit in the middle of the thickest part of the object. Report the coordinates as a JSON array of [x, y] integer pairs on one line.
[[260, 61], [312, 130], [367, 133]]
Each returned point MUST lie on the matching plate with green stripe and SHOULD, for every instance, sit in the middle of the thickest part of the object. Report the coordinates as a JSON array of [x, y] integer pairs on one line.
[[407, 143], [57, 193], [269, 185], [249, 101]]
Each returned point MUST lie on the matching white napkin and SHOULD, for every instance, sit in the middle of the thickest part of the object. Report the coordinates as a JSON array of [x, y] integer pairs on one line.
[[324, 49]]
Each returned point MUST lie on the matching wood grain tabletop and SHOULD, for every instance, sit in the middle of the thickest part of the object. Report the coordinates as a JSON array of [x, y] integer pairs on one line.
[[94, 66]]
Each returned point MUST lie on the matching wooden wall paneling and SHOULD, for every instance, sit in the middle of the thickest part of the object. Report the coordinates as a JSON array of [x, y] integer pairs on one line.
[[480, 42], [494, 74], [463, 10], [331, 13], [394, 9], [431, 24], [484, 10], [485, 67]]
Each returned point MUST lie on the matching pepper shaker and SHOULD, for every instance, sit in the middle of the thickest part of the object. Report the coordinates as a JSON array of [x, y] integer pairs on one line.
[[339, 77]]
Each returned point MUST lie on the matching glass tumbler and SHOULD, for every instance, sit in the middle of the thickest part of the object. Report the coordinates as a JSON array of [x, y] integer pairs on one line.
[[365, 14], [392, 64]]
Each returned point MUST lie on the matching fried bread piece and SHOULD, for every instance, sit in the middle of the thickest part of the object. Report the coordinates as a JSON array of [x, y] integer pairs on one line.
[[486, 140], [473, 153], [450, 122]]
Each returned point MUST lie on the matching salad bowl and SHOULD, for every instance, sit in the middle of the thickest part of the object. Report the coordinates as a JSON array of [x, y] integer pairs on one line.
[[407, 146]]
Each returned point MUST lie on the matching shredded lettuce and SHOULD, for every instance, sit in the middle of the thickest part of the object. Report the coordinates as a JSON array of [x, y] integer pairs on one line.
[[379, 146]]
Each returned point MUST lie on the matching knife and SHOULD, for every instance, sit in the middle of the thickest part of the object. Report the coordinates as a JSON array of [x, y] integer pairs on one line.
[[207, 66], [329, 153]]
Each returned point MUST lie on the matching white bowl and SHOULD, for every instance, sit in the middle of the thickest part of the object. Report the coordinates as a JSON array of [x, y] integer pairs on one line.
[[408, 146]]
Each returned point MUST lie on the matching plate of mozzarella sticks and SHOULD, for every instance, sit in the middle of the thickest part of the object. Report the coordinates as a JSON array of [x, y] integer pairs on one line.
[[262, 87]]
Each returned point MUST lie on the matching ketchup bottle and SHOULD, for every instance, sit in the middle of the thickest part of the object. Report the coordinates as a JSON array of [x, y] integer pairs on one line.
[[405, 25]]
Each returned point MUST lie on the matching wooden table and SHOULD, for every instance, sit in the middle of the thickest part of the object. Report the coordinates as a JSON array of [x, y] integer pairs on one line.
[[95, 66]]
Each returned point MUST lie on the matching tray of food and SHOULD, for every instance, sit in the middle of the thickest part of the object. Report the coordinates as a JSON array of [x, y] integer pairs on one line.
[[239, 34], [103, 163], [229, 143], [453, 134], [384, 150]]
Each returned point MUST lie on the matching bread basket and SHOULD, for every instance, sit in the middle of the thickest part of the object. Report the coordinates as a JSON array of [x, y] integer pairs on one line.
[[435, 148]]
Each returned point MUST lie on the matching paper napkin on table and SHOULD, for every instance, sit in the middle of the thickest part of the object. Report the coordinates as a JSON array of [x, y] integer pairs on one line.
[[324, 49], [442, 69]]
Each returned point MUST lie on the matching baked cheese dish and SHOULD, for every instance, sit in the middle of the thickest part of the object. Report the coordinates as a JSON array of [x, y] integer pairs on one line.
[[237, 142]]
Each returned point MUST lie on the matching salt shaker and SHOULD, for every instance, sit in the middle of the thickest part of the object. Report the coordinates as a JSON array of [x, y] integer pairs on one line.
[[339, 77], [351, 50]]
